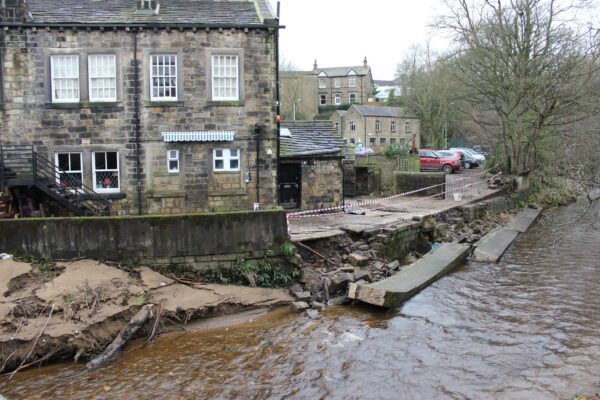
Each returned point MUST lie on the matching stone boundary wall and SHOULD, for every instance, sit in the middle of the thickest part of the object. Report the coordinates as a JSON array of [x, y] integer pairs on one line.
[[408, 181], [169, 241]]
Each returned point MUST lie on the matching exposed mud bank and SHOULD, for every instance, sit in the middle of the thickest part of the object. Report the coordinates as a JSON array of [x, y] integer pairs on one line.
[[52, 311]]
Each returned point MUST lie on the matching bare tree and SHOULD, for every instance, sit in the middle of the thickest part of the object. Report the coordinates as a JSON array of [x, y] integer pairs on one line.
[[527, 63]]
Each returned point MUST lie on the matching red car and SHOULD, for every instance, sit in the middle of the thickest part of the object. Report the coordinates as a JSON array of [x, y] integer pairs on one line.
[[429, 160]]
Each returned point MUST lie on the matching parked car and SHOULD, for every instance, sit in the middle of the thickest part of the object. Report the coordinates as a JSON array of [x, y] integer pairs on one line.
[[429, 160], [472, 152], [467, 159], [482, 149], [363, 151]]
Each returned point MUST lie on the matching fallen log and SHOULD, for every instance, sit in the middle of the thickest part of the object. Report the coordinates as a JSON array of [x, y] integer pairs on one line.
[[126, 333]]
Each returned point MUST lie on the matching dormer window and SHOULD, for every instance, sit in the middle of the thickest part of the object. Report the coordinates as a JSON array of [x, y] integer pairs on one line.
[[147, 7]]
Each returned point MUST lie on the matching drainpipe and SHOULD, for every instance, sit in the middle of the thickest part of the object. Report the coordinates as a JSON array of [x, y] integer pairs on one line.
[[277, 100], [136, 119], [257, 130]]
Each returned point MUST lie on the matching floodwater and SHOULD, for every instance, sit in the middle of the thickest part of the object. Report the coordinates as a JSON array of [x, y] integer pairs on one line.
[[527, 328]]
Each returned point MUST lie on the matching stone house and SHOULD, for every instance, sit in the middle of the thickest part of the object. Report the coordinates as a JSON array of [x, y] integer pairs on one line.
[[311, 172], [378, 126], [159, 106], [306, 91]]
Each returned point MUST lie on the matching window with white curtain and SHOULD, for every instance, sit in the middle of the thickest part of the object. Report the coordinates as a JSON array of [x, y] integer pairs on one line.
[[163, 77], [102, 72], [225, 78], [64, 71]]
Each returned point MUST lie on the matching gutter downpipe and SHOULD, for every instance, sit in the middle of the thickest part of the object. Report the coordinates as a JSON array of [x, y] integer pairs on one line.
[[136, 118], [277, 100]]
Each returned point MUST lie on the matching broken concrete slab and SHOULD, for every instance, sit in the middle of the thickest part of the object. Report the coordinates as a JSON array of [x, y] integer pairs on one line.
[[523, 221], [493, 245], [396, 289]]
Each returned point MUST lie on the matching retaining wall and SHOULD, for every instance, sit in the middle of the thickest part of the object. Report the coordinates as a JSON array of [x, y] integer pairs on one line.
[[195, 240], [409, 181]]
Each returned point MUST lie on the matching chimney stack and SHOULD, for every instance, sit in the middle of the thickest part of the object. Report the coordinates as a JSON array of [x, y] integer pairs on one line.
[[315, 65], [365, 62], [147, 7], [14, 11]]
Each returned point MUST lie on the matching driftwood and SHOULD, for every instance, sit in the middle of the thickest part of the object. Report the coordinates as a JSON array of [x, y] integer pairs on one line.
[[126, 333]]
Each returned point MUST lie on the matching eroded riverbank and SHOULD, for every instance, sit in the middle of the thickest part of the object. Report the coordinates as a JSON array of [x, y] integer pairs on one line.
[[524, 328]]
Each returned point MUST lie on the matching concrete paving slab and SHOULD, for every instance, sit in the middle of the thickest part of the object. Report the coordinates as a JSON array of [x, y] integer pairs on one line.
[[523, 221], [394, 290], [493, 245]]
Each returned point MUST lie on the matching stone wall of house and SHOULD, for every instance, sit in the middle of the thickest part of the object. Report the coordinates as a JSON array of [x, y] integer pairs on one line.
[[322, 184], [29, 117], [409, 181], [191, 241]]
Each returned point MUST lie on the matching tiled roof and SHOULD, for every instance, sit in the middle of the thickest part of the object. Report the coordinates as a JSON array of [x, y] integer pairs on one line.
[[310, 138], [201, 12], [343, 71], [341, 113], [383, 111]]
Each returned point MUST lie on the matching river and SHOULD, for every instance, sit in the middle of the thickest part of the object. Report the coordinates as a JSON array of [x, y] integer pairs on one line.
[[527, 328]]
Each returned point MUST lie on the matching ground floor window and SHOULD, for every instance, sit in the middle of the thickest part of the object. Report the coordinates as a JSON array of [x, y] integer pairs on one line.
[[393, 141], [106, 171], [226, 159], [173, 161], [352, 141], [372, 141], [382, 141], [70, 170]]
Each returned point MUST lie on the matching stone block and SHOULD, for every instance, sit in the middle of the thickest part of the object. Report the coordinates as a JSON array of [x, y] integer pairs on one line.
[[299, 306], [357, 259]]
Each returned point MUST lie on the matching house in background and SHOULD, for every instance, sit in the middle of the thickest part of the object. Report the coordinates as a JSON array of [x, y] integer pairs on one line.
[[385, 89], [378, 126], [303, 92], [311, 165], [143, 106]]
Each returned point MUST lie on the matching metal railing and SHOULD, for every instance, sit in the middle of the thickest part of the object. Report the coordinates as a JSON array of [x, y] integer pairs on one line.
[[22, 165]]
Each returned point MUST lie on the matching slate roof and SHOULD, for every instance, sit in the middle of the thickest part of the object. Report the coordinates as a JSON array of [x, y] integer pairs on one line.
[[343, 71], [310, 138], [341, 113], [224, 13], [384, 111]]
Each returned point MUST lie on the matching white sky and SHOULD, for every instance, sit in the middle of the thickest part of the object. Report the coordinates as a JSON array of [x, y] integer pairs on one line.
[[341, 33]]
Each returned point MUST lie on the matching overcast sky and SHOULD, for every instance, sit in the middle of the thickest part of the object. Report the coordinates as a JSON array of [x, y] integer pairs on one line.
[[342, 32]]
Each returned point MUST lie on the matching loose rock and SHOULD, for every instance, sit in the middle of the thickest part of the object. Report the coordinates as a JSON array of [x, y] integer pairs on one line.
[[299, 306]]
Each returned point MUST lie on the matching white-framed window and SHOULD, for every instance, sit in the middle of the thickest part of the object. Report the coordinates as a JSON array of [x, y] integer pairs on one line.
[[352, 141], [338, 99], [352, 126], [322, 83], [402, 142], [382, 141], [407, 127], [163, 77], [106, 171], [372, 141], [70, 170], [323, 99], [393, 126], [102, 73], [226, 159], [352, 98], [225, 78], [377, 126], [352, 81], [64, 71], [336, 82], [173, 161], [392, 141]]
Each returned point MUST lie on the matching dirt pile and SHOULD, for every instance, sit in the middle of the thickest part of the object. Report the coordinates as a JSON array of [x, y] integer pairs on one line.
[[57, 310]]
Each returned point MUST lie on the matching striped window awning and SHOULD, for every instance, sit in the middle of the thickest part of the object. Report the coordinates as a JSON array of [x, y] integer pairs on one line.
[[199, 136]]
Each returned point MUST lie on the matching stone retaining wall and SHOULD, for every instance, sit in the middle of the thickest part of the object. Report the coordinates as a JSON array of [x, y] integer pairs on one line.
[[409, 181], [193, 241]]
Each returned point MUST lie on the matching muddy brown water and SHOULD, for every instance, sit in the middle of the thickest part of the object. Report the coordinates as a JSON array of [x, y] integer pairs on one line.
[[527, 328]]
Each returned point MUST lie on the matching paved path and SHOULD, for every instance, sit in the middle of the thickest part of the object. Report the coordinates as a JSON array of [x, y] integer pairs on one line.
[[390, 212]]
